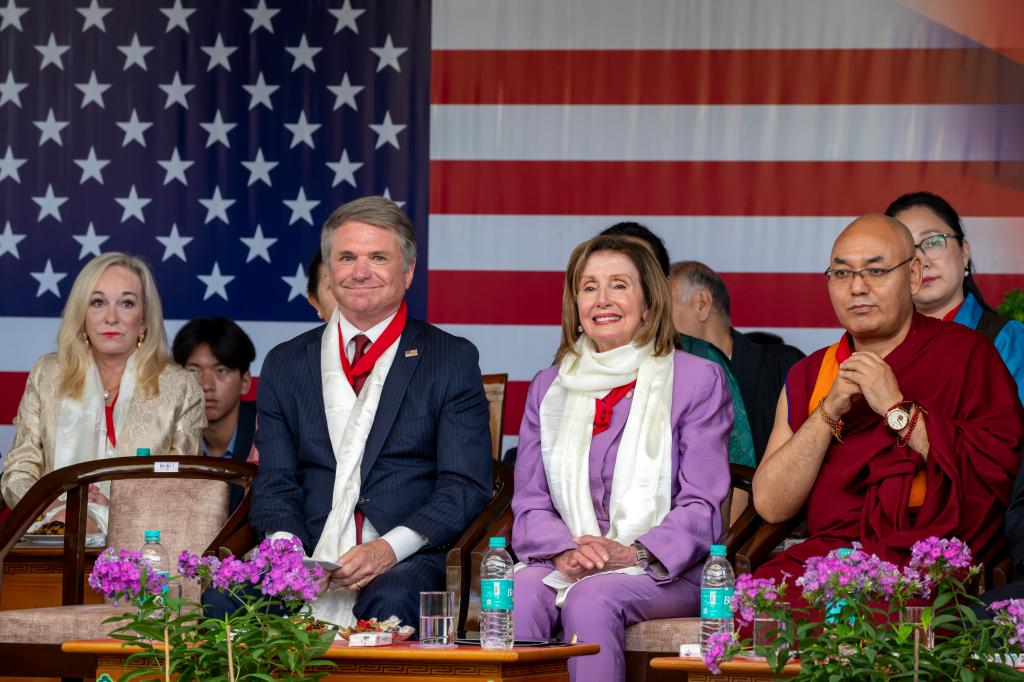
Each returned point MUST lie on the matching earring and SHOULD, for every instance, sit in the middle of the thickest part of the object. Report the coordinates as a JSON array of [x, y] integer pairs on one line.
[[142, 337], [967, 272], [579, 329], [85, 339]]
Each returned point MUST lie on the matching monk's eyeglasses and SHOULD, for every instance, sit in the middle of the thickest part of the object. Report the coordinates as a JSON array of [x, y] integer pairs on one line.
[[846, 276], [935, 245]]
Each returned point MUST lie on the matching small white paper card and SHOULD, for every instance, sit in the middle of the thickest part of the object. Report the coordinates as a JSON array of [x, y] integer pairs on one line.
[[165, 467]]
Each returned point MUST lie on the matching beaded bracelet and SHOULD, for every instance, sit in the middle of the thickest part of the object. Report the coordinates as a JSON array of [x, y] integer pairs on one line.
[[835, 424], [904, 441]]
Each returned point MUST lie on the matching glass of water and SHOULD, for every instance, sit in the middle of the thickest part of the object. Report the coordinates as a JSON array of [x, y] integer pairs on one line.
[[437, 619]]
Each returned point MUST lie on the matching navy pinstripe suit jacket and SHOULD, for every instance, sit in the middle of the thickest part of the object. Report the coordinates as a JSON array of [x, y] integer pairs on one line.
[[427, 463]]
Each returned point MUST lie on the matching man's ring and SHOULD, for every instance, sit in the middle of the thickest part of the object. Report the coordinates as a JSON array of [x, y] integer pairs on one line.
[[357, 584]]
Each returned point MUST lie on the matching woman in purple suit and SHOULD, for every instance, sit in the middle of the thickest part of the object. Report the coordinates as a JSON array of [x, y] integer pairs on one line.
[[623, 463]]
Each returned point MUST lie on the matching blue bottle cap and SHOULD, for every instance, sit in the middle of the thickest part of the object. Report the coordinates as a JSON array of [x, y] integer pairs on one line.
[[496, 542], [142, 452], [845, 551], [718, 550], [152, 536]]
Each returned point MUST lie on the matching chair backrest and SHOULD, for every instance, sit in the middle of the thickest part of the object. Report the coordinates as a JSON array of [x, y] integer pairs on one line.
[[75, 481], [188, 513], [462, 562], [494, 387]]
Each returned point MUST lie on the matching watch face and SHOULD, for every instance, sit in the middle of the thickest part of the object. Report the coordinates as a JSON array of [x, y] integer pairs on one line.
[[897, 418]]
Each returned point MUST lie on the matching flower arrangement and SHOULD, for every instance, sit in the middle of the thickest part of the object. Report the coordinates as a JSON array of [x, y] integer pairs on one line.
[[268, 636], [861, 619]]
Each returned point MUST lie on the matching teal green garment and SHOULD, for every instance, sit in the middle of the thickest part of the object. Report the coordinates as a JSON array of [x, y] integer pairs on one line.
[[741, 443]]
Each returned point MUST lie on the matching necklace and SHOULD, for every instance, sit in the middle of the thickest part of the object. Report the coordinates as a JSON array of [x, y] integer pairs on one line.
[[107, 392]]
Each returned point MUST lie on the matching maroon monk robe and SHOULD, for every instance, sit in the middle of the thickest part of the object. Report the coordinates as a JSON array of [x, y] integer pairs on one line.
[[975, 426]]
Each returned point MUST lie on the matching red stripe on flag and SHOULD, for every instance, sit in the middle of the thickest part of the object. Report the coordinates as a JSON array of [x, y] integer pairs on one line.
[[515, 403], [12, 385], [535, 298], [776, 188], [925, 76]]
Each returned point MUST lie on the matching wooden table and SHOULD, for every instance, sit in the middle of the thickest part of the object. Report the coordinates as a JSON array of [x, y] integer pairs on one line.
[[32, 576], [692, 669], [405, 661]]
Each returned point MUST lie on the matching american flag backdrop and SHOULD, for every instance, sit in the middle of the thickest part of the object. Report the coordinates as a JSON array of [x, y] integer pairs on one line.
[[214, 137], [747, 133]]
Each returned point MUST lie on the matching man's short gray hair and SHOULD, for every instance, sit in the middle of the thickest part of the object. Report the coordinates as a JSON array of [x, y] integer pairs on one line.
[[377, 211], [695, 275]]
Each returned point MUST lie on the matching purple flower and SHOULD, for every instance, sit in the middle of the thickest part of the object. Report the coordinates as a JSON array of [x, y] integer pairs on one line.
[[720, 647], [940, 559], [1009, 615], [122, 574], [753, 595], [859, 576], [276, 566]]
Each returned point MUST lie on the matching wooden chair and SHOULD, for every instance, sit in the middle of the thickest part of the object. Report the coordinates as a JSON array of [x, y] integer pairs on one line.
[[189, 504], [494, 387]]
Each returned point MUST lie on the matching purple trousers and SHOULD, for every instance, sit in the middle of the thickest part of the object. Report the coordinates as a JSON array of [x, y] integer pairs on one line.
[[598, 610]]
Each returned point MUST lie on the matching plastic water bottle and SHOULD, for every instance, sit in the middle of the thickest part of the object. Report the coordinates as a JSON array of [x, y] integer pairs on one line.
[[717, 582], [155, 554], [834, 609], [496, 630]]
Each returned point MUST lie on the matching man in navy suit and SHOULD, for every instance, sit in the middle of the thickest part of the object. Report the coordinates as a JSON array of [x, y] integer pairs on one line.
[[373, 439]]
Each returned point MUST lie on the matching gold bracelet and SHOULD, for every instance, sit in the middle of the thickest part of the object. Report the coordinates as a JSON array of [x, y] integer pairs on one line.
[[835, 424]]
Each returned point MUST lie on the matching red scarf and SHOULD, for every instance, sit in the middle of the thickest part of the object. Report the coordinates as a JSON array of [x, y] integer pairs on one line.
[[604, 406], [109, 410], [377, 348]]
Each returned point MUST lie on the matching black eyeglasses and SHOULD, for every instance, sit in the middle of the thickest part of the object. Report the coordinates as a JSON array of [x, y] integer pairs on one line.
[[935, 245], [845, 275]]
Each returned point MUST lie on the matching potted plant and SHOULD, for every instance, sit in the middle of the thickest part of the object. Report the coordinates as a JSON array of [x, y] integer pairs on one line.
[[867, 619], [269, 636]]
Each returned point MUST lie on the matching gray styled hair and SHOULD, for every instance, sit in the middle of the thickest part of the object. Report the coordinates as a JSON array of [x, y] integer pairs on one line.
[[696, 276], [372, 210]]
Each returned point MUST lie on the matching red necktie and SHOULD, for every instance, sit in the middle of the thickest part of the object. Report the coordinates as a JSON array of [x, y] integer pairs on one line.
[[604, 406], [362, 343]]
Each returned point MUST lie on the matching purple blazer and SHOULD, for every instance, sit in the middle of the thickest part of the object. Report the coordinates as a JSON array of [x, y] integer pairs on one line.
[[701, 422]]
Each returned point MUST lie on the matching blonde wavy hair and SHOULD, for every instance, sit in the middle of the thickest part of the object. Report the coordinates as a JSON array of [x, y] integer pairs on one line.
[[657, 330], [74, 354]]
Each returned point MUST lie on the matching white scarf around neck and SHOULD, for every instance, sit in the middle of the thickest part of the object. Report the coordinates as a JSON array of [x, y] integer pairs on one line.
[[349, 419], [82, 426], [642, 481]]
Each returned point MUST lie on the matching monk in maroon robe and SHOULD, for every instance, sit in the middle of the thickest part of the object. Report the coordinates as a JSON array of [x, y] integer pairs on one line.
[[908, 427]]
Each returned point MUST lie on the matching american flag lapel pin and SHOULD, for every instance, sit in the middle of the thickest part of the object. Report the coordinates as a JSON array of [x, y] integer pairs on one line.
[[411, 353]]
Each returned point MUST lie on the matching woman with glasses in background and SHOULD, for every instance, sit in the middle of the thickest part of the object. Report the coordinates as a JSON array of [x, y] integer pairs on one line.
[[948, 290]]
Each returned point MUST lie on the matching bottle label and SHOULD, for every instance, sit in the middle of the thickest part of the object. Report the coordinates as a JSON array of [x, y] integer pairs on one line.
[[496, 595], [167, 587], [716, 602]]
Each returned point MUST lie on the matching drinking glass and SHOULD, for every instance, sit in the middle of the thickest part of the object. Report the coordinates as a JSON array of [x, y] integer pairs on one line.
[[437, 619], [767, 631], [914, 615]]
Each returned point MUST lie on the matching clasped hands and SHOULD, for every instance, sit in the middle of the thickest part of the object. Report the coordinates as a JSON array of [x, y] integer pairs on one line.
[[361, 564], [592, 555], [863, 375]]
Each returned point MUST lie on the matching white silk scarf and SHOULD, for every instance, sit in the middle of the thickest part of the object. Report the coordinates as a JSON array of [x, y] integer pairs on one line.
[[349, 419]]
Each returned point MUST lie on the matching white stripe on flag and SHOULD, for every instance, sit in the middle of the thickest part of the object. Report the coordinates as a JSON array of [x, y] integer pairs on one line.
[[523, 350], [683, 25], [725, 243], [926, 132]]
